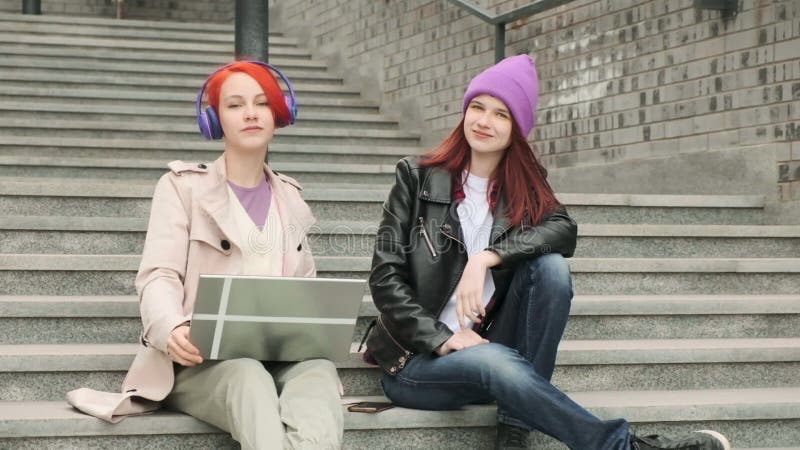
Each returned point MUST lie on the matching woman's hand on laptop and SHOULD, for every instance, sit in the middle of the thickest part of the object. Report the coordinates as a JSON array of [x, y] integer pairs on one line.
[[180, 350]]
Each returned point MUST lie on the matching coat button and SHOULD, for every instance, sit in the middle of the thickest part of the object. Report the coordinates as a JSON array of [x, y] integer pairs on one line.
[[225, 244], [202, 166], [299, 247], [426, 193], [393, 369], [447, 228]]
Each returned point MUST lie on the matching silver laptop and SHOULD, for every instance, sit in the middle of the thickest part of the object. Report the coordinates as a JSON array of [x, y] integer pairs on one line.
[[275, 318]]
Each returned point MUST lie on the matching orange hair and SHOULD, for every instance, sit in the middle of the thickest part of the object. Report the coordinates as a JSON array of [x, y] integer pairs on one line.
[[263, 77]]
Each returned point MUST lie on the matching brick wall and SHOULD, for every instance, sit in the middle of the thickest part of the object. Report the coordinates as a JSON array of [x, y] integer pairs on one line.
[[176, 10], [621, 79]]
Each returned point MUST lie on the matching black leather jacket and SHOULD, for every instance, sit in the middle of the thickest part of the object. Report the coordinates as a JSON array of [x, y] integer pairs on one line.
[[419, 258]]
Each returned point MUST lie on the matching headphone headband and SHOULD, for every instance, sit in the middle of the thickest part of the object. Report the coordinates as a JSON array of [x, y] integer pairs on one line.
[[208, 120]]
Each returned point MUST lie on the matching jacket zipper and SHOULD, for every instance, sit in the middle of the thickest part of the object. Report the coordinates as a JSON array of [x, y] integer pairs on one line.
[[406, 353], [424, 234]]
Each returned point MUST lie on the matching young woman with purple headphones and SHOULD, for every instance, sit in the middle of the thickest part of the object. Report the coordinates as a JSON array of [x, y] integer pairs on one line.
[[471, 282], [231, 216]]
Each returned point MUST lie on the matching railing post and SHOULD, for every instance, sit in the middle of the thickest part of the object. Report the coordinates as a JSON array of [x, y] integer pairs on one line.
[[499, 42], [252, 30], [32, 7]]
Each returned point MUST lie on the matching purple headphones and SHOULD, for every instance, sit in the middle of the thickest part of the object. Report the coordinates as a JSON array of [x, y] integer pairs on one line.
[[208, 120]]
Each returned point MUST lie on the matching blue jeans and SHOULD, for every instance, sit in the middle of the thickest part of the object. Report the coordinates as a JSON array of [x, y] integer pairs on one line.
[[514, 369]]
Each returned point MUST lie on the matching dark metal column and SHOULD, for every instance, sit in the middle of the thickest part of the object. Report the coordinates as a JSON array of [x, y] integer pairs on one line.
[[32, 7], [252, 30], [499, 42]]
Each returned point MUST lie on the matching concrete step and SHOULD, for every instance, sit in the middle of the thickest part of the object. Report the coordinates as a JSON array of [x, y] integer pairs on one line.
[[113, 55], [100, 235], [21, 78], [63, 197], [121, 24], [46, 372], [184, 99], [119, 30], [153, 149], [176, 116], [22, 274], [129, 169], [187, 130], [58, 39], [748, 417], [102, 319], [194, 73]]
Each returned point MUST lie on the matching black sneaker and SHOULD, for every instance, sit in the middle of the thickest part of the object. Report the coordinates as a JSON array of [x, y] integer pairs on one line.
[[511, 437], [699, 440]]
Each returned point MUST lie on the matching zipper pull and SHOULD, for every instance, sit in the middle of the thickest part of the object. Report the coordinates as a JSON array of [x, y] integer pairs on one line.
[[426, 237]]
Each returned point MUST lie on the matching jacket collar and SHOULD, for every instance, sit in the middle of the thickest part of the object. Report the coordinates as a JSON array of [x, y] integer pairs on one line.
[[214, 200], [437, 187]]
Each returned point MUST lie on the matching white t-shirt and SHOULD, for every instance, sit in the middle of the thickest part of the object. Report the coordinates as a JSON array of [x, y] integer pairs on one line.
[[476, 225]]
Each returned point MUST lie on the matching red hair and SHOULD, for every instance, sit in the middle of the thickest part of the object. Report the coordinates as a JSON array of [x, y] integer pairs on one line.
[[264, 78], [519, 177]]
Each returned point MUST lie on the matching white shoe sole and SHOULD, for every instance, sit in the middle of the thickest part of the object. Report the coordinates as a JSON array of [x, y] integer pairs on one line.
[[718, 436]]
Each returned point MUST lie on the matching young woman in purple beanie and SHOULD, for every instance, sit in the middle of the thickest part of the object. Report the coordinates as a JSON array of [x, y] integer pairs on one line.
[[472, 285]]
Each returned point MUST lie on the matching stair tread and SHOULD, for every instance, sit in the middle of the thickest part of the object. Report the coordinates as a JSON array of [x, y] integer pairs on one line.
[[182, 113], [11, 261], [57, 186], [606, 305], [57, 418], [68, 223], [115, 357]]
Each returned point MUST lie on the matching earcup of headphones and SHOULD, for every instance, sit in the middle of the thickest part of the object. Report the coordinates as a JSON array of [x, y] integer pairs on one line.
[[209, 124], [290, 103]]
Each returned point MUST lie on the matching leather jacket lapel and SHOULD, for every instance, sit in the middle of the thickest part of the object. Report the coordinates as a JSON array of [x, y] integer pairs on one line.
[[501, 222]]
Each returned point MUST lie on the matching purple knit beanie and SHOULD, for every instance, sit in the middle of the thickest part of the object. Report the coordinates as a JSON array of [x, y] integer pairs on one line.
[[514, 81]]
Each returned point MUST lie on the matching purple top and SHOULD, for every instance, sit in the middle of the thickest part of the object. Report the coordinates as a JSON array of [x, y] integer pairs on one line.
[[256, 201]]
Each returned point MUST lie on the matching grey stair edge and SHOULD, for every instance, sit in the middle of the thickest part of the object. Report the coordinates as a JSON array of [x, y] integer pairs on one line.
[[593, 265], [40, 419], [567, 199], [121, 95], [151, 44], [70, 223], [11, 59], [287, 63], [186, 113], [117, 357], [645, 200], [132, 23], [119, 30], [136, 224], [128, 163], [202, 147], [182, 83], [108, 125], [582, 305]]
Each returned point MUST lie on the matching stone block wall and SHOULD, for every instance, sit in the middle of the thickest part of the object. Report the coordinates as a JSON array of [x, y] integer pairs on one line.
[[621, 80]]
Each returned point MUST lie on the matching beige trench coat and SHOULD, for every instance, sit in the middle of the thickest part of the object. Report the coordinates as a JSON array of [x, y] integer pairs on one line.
[[190, 232]]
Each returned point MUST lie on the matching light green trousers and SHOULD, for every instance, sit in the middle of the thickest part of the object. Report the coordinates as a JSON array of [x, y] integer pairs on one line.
[[291, 406]]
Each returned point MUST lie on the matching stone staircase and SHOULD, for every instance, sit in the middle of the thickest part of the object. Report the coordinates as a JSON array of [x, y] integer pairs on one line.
[[687, 313]]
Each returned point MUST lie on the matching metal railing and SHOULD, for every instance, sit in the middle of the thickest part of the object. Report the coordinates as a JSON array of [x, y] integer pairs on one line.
[[500, 20]]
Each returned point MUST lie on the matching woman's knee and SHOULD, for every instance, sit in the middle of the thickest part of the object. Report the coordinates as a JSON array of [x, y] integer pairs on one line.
[[247, 374], [550, 271]]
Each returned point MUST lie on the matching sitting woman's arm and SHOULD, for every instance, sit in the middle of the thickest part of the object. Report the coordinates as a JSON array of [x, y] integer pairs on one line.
[[557, 233], [159, 282], [415, 327]]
